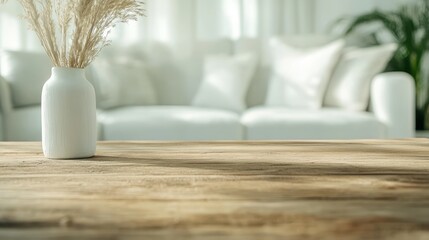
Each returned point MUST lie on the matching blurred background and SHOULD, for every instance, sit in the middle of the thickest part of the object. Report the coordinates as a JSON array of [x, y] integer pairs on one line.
[[184, 21], [184, 24]]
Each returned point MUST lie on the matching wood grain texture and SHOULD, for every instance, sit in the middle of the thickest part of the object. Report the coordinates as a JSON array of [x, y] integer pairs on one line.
[[218, 190]]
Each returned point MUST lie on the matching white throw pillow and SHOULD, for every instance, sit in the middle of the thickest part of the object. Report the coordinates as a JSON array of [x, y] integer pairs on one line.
[[300, 76], [122, 83], [226, 82], [350, 84], [26, 74]]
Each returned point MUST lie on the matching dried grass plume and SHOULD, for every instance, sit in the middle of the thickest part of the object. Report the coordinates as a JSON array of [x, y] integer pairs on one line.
[[74, 31]]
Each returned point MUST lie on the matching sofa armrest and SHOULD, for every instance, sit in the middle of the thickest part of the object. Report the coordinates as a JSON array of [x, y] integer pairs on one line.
[[5, 106], [393, 103], [2, 137], [5, 97]]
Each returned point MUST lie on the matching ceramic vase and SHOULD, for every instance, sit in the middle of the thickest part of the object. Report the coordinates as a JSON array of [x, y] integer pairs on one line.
[[68, 115]]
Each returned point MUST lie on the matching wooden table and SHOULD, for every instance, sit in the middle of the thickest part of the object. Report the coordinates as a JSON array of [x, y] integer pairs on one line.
[[218, 190]]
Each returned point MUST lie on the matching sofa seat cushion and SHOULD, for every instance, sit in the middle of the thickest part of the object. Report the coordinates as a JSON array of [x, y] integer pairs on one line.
[[276, 123], [169, 123]]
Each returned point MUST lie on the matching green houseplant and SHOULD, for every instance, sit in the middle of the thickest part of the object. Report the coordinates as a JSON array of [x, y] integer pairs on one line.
[[409, 27]]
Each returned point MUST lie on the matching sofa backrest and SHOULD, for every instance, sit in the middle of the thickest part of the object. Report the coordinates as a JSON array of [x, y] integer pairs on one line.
[[177, 74], [25, 72]]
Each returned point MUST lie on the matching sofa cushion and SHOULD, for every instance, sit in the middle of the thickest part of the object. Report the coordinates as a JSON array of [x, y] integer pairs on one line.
[[349, 86], [261, 47], [300, 76], [177, 75], [263, 123], [122, 82], [26, 73], [226, 81], [169, 123]]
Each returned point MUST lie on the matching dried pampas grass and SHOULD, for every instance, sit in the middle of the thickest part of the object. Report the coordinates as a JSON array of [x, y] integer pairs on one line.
[[74, 31]]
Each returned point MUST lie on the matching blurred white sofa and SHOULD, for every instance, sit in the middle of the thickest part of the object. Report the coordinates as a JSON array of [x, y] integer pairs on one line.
[[177, 77]]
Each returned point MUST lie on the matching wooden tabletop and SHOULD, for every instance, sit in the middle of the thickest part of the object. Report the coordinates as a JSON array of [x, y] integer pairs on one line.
[[218, 190]]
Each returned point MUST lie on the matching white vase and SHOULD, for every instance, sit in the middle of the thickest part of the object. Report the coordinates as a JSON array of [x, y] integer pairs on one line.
[[68, 115]]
